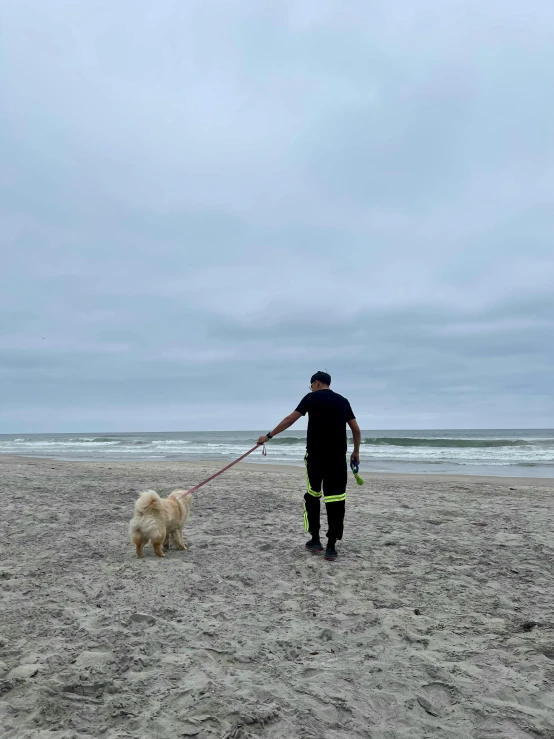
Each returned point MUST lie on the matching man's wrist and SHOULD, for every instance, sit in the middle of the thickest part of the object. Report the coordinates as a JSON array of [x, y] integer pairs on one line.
[[269, 435]]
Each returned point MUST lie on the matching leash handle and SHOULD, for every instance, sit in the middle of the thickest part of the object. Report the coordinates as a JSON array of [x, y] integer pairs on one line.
[[236, 461]]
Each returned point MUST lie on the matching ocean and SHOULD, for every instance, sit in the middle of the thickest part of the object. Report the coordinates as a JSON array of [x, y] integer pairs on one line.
[[513, 452]]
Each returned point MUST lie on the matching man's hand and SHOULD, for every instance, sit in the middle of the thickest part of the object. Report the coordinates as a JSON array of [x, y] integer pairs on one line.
[[263, 439], [357, 437]]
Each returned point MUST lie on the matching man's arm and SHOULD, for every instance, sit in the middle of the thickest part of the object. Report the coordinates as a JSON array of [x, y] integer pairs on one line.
[[285, 424], [357, 436]]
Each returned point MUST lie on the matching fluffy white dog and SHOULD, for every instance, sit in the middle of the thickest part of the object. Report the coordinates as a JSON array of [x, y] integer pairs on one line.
[[158, 520]]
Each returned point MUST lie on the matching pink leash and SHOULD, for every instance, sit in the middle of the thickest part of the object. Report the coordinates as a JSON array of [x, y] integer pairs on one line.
[[200, 484]]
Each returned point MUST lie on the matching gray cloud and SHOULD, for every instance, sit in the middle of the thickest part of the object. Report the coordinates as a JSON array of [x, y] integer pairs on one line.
[[202, 203]]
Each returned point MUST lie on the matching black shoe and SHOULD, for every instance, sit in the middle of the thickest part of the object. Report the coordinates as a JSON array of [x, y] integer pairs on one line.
[[314, 545], [331, 553]]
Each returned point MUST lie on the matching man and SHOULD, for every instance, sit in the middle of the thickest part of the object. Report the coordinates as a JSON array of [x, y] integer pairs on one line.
[[325, 460]]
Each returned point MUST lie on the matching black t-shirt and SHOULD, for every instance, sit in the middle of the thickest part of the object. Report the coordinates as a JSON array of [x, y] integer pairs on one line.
[[328, 413]]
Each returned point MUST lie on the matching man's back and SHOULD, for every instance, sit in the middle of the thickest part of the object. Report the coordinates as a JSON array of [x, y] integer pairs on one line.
[[328, 413]]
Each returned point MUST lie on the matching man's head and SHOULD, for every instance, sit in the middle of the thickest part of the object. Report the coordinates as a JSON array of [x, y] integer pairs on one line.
[[320, 381]]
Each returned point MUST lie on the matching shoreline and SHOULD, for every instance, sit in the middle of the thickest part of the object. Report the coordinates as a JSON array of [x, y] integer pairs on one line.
[[213, 465]]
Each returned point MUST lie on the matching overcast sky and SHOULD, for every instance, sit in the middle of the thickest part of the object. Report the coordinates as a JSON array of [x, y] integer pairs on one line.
[[202, 203]]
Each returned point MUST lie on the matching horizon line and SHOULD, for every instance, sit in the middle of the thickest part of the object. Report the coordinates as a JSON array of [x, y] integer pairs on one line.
[[303, 431]]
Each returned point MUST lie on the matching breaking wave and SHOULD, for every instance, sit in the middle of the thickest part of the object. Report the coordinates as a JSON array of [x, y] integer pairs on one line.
[[452, 443]]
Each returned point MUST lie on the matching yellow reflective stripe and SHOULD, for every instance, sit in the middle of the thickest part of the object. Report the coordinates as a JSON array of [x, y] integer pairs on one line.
[[335, 498], [306, 525], [310, 490]]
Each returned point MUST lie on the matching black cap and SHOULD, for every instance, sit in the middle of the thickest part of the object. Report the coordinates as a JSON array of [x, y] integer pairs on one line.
[[322, 377]]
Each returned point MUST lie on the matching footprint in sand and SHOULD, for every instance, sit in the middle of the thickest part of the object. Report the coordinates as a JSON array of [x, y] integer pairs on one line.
[[436, 698], [493, 729], [91, 690], [23, 672], [142, 618], [95, 659]]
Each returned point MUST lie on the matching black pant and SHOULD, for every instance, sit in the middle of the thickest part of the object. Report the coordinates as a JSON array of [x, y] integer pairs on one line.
[[328, 474]]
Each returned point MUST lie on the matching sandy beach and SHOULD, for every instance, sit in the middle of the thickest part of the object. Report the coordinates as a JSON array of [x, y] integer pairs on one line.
[[437, 621]]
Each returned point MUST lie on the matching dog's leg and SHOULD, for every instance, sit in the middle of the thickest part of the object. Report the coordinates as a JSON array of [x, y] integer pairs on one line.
[[178, 539], [158, 551], [166, 542], [139, 543]]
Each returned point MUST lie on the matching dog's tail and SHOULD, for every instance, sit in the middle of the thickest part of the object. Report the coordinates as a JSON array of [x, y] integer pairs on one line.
[[148, 502]]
